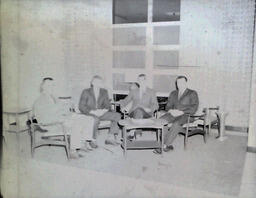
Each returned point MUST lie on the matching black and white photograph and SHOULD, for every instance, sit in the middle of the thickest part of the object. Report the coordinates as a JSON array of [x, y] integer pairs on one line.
[[128, 98]]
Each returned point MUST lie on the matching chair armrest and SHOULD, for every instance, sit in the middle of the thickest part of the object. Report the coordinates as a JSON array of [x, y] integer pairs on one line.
[[159, 113], [162, 103], [197, 116], [41, 126], [115, 102], [214, 108], [155, 113], [50, 124]]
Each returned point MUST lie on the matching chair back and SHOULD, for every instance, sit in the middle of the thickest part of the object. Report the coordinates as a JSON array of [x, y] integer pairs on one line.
[[211, 114]]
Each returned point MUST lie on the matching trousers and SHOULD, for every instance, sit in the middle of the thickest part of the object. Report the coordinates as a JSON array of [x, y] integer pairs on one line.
[[80, 128], [176, 127], [139, 113], [114, 117]]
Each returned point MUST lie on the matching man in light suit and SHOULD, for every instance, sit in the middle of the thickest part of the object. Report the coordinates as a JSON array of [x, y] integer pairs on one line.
[[48, 112], [181, 102], [144, 101], [95, 102]]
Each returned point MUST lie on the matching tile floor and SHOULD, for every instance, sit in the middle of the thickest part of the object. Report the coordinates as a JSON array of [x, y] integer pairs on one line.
[[216, 169]]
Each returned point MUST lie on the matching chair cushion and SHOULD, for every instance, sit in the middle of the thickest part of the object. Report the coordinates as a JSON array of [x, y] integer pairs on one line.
[[194, 124], [193, 132], [104, 124], [53, 131]]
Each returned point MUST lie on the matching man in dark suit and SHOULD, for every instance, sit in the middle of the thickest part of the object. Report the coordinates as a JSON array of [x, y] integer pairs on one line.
[[181, 102], [95, 102]]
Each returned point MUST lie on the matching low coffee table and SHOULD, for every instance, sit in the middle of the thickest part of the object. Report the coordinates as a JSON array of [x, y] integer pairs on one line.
[[152, 123]]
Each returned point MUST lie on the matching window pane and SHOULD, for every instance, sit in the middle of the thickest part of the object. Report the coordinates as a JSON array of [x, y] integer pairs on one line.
[[166, 10], [130, 11], [128, 59], [119, 82], [164, 83], [129, 36], [166, 35], [166, 59]]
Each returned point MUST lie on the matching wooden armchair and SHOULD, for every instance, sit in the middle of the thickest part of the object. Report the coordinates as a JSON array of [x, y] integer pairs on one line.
[[201, 124], [51, 134], [197, 127]]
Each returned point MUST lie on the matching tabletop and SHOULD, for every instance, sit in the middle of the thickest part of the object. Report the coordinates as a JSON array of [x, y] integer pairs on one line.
[[143, 123], [16, 110]]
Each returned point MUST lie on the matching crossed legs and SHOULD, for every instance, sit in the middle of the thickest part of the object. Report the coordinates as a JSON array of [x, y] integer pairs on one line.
[[114, 117], [139, 113], [171, 134]]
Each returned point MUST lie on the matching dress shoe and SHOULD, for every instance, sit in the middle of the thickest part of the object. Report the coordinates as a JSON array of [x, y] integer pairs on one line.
[[80, 154], [74, 155], [93, 145], [168, 148], [157, 151], [130, 137], [111, 142], [138, 132], [85, 149]]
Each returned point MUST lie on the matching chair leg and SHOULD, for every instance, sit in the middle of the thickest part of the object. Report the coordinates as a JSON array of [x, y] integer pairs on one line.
[[67, 145], [209, 128], [186, 138], [204, 136], [185, 142], [4, 141], [32, 144]]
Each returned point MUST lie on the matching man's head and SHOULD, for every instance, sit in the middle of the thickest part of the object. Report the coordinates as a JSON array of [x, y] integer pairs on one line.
[[142, 80], [97, 82], [47, 85], [181, 82]]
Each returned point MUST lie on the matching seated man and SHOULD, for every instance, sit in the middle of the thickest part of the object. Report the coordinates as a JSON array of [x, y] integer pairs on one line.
[[95, 102], [144, 101], [47, 110], [181, 102]]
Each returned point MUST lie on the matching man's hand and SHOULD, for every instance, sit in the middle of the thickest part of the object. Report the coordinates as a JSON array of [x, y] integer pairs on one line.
[[98, 112], [93, 112], [148, 110], [175, 112]]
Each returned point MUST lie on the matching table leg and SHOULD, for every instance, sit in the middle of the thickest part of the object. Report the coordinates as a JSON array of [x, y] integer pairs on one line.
[[124, 141], [8, 122], [17, 130], [162, 139], [28, 118], [4, 141], [158, 135], [17, 122]]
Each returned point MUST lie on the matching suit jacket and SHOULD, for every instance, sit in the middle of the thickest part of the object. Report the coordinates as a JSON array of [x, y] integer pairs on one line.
[[148, 100], [46, 110], [88, 101], [188, 102]]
